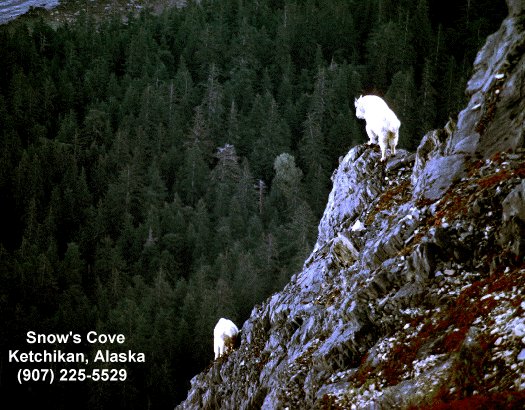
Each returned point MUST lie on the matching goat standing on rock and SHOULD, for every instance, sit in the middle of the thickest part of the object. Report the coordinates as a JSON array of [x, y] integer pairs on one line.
[[382, 125], [224, 337]]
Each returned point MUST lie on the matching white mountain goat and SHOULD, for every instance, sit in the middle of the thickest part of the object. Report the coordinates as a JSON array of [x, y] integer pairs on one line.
[[224, 336], [382, 125]]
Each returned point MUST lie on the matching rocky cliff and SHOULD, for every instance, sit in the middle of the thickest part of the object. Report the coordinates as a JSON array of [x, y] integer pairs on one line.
[[414, 294]]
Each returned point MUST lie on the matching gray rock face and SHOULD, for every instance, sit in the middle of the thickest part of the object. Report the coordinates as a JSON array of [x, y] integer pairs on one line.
[[343, 206], [516, 7], [438, 175], [512, 233], [415, 290], [432, 145], [514, 203], [434, 172], [493, 119]]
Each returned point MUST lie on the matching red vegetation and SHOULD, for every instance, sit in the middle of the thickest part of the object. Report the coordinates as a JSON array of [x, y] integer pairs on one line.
[[445, 331], [363, 372], [388, 199], [452, 324], [328, 403], [455, 201], [503, 175], [497, 401]]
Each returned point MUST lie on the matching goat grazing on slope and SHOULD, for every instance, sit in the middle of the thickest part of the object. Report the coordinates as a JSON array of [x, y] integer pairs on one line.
[[224, 337]]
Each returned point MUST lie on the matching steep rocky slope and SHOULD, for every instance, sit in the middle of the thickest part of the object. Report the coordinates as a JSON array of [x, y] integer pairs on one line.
[[414, 294]]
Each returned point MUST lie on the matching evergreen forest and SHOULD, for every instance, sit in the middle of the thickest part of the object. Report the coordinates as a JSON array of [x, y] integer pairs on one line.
[[160, 171]]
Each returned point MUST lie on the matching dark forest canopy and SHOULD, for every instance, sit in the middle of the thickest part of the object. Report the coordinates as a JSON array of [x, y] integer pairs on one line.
[[143, 184]]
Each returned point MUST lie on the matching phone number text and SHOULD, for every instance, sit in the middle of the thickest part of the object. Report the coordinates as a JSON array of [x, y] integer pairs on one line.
[[71, 375]]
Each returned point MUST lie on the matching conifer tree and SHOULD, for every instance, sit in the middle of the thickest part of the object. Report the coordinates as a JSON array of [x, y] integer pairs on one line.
[[427, 105], [286, 185], [401, 97], [270, 135], [195, 171]]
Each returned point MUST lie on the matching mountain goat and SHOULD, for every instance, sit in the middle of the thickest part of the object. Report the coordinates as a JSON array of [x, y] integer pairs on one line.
[[224, 337], [382, 125]]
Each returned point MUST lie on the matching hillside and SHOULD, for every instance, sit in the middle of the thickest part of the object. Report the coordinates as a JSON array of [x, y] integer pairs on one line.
[[425, 306], [165, 169]]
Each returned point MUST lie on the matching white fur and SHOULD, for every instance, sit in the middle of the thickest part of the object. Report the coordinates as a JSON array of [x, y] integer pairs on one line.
[[223, 333], [382, 125]]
